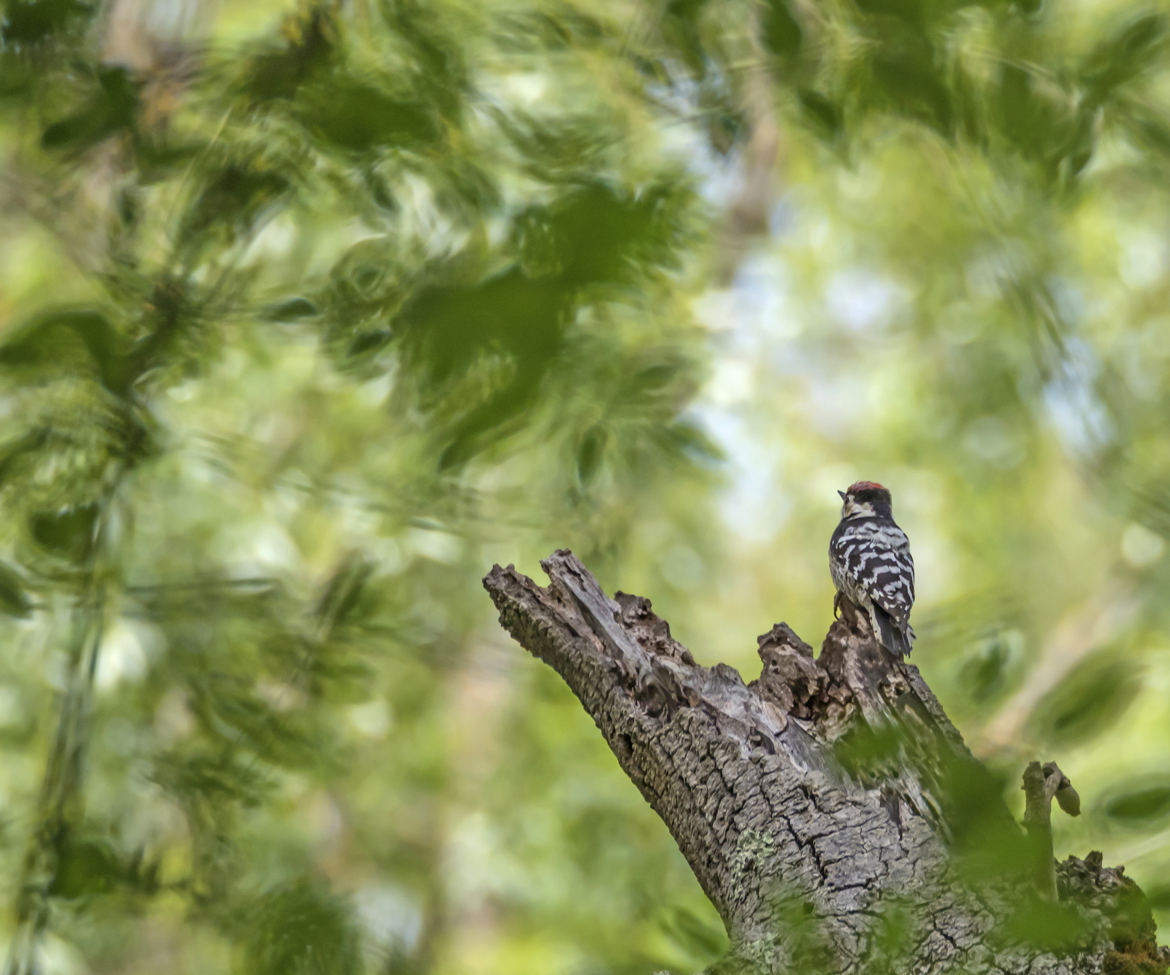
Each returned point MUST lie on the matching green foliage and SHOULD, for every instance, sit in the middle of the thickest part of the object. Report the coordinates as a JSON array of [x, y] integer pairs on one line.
[[299, 928], [1091, 699], [331, 325], [1140, 803], [306, 322], [1054, 926]]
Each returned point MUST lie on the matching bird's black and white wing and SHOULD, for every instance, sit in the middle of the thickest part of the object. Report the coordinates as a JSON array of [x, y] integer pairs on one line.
[[872, 558]]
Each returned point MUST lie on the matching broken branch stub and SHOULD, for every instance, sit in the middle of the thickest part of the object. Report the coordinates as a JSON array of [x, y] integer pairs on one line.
[[829, 809], [1042, 783]]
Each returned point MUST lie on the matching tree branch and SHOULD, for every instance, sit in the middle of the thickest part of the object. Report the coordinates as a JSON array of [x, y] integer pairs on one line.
[[829, 809]]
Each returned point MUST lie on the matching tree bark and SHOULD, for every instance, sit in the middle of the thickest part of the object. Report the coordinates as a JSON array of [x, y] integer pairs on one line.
[[829, 809]]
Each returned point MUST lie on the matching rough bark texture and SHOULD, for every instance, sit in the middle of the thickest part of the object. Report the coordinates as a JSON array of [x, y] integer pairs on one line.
[[829, 809]]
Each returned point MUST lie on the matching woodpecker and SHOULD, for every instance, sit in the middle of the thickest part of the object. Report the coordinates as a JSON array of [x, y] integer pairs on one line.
[[869, 558]]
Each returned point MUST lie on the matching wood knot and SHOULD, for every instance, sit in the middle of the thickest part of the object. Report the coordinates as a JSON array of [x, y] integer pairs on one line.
[[782, 636], [790, 678], [665, 688], [653, 634]]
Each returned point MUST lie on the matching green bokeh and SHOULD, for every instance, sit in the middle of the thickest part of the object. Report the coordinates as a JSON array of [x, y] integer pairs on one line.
[[310, 314]]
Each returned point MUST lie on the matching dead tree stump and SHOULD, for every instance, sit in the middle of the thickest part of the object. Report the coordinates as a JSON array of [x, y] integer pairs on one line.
[[829, 809]]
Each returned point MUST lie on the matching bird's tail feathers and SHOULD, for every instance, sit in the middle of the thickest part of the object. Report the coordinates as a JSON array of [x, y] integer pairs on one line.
[[893, 637]]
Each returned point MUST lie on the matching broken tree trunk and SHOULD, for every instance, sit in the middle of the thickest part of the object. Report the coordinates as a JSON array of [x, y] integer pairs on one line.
[[829, 809]]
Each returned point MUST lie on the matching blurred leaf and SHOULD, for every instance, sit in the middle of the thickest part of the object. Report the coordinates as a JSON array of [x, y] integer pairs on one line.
[[113, 106], [988, 845], [590, 452], [1043, 121], [600, 234], [664, 373], [824, 115], [487, 421], [22, 452], [693, 443], [1091, 699], [234, 196], [781, 29], [698, 935], [359, 117], [911, 82], [893, 942], [446, 326], [1045, 925], [1141, 802], [54, 337], [301, 928], [14, 600], [68, 533], [434, 53], [346, 593], [1150, 128], [195, 598], [367, 343], [274, 724], [219, 778], [724, 127], [910, 12], [279, 72], [36, 21], [88, 865], [1125, 54], [983, 673], [559, 146], [525, 30], [868, 753], [291, 309], [1077, 149], [682, 25]]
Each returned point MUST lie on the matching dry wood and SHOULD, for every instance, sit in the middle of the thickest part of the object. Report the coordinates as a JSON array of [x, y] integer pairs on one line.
[[829, 809]]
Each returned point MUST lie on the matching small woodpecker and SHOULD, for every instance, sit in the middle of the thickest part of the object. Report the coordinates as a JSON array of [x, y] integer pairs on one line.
[[869, 557]]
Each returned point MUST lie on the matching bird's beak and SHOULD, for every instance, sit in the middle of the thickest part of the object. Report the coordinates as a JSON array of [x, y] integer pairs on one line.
[[842, 493]]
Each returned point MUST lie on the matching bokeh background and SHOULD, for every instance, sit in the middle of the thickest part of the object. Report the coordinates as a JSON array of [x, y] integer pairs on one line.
[[310, 313]]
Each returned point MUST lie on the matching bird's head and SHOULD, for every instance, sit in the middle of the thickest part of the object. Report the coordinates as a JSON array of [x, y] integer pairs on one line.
[[864, 499]]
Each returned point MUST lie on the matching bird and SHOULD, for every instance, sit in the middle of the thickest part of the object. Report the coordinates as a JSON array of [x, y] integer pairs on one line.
[[871, 565]]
